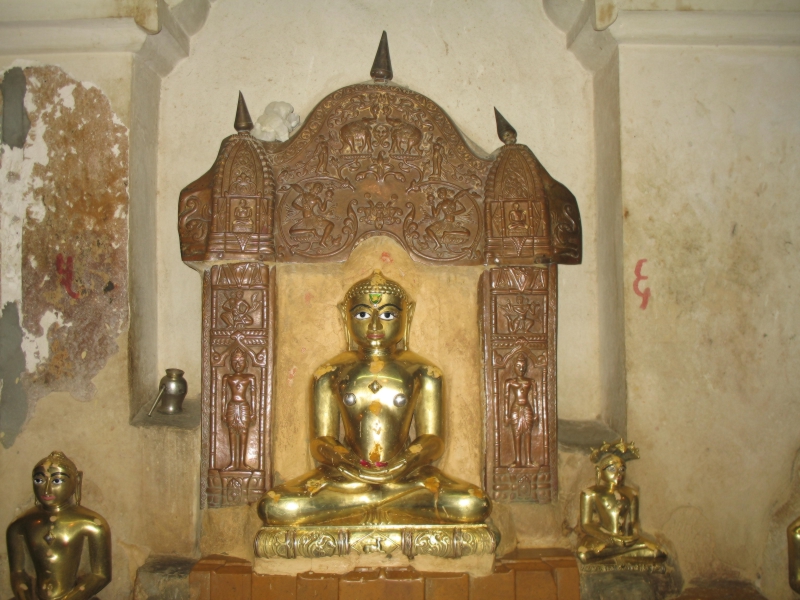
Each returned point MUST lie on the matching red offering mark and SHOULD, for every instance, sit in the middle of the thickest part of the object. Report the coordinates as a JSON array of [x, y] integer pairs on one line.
[[644, 295], [64, 268]]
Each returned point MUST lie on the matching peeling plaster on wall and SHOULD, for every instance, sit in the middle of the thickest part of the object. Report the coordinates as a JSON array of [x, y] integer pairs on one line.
[[63, 252]]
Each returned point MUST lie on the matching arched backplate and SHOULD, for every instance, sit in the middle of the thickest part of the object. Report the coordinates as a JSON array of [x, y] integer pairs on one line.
[[379, 159]]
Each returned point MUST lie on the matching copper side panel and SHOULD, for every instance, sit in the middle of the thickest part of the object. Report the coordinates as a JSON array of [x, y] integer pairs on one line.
[[238, 318], [518, 315]]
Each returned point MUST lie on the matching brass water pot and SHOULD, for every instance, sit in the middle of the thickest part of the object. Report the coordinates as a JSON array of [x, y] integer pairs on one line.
[[171, 390]]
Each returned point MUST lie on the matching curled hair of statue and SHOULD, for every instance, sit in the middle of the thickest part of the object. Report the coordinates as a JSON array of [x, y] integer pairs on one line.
[[626, 451], [377, 284]]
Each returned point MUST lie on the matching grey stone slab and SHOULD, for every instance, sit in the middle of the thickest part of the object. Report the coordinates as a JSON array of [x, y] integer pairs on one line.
[[164, 578], [584, 435], [189, 418]]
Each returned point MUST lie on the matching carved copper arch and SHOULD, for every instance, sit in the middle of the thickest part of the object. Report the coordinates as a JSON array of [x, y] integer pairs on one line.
[[379, 159]]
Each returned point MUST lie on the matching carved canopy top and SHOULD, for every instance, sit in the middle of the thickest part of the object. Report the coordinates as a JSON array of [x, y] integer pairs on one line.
[[377, 159]]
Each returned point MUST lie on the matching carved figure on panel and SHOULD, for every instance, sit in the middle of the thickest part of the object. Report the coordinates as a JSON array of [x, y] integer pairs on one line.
[[321, 154], [377, 474], [437, 156], [236, 310], [522, 315], [53, 534], [517, 220], [312, 226], [610, 527], [405, 137], [239, 411], [520, 412], [243, 218], [446, 229], [357, 137]]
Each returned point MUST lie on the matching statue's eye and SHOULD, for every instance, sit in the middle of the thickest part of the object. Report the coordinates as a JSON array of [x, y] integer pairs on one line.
[[38, 480], [388, 316], [611, 469], [361, 315], [58, 480]]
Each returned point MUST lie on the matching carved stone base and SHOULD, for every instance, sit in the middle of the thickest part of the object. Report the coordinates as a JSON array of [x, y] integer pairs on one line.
[[444, 541], [642, 580], [231, 488]]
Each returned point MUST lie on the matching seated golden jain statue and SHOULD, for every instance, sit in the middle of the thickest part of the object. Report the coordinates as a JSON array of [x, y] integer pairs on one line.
[[53, 533], [376, 475], [610, 531]]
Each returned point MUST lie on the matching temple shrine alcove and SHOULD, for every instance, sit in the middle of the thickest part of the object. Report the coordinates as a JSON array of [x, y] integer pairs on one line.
[[482, 231]]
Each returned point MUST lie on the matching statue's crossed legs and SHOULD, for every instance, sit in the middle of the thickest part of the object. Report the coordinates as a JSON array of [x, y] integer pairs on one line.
[[326, 496]]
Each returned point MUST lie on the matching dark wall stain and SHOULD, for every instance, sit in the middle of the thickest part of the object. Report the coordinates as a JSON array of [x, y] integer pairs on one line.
[[13, 400], [15, 119]]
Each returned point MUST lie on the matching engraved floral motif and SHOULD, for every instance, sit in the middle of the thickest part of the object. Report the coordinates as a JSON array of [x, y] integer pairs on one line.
[[315, 545], [380, 213]]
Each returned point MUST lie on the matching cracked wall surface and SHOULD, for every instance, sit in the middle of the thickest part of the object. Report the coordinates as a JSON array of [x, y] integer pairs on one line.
[[63, 252]]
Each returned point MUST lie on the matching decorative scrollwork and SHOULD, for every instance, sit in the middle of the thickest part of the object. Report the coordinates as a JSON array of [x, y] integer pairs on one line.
[[444, 541]]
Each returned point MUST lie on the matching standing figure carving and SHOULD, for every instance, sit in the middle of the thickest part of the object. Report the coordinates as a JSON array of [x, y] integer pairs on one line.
[[53, 533], [437, 156], [520, 413], [238, 412]]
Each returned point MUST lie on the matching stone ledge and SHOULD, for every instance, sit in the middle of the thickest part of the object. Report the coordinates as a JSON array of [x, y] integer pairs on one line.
[[188, 418], [544, 574]]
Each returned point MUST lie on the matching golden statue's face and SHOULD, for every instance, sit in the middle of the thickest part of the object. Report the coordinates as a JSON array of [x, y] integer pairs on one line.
[[612, 471], [376, 321], [53, 485]]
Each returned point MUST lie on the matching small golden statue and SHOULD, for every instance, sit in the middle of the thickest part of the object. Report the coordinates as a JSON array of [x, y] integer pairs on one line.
[[377, 475], [53, 532], [610, 531], [793, 537]]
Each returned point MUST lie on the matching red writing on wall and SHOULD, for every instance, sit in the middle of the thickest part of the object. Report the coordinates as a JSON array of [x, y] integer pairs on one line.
[[64, 268], [643, 294]]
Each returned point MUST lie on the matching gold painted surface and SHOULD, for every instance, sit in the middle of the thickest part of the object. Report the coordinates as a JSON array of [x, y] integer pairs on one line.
[[377, 474], [443, 541], [611, 533], [53, 534], [793, 537]]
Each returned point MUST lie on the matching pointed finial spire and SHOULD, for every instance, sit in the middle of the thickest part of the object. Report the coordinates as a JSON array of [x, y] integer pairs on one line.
[[382, 65], [506, 133], [243, 121]]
